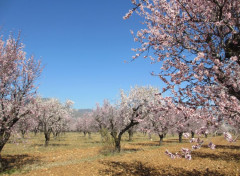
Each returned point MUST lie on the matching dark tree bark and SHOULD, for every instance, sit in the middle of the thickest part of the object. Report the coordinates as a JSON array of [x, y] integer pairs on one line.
[[117, 137], [23, 132], [192, 133], [161, 136], [118, 144], [1, 163], [180, 137], [47, 138], [4, 136], [35, 132]]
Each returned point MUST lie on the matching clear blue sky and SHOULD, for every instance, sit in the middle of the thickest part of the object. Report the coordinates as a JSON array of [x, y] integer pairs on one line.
[[83, 45]]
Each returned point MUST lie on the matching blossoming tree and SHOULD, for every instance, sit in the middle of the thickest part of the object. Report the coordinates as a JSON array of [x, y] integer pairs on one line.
[[18, 74], [198, 46], [86, 124], [52, 115], [132, 108]]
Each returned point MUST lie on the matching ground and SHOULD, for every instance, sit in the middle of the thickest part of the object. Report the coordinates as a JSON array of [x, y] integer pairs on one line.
[[74, 154]]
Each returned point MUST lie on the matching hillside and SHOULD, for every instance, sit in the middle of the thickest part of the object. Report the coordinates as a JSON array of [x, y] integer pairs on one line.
[[78, 113]]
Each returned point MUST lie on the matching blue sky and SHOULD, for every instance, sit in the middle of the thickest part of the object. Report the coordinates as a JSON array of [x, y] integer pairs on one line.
[[83, 45]]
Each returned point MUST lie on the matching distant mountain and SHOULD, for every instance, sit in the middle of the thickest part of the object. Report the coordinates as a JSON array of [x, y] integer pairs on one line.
[[78, 113]]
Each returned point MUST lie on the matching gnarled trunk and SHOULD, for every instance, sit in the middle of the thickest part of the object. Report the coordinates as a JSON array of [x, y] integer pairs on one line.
[[47, 138], [180, 137], [192, 133], [4, 136], [1, 164], [161, 139], [117, 144], [130, 135], [23, 133], [117, 140]]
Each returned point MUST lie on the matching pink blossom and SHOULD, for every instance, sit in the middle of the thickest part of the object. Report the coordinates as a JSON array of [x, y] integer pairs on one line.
[[211, 145], [228, 136]]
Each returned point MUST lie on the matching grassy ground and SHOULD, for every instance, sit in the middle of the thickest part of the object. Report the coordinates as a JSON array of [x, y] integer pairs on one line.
[[74, 154]]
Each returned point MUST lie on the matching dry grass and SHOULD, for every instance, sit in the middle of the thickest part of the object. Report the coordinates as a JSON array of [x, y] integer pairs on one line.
[[73, 154]]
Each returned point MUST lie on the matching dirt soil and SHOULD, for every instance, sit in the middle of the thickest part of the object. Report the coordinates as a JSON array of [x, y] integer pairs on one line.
[[139, 158]]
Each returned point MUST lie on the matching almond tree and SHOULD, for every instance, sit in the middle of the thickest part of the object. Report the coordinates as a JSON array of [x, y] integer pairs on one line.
[[52, 115], [100, 115], [86, 124], [167, 115], [26, 124], [198, 46], [132, 109], [17, 77], [161, 119], [131, 131]]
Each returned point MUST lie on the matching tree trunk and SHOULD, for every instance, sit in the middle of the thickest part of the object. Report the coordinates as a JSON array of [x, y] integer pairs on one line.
[[1, 163], [161, 139], [205, 135], [192, 134], [117, 140], [130, 134], [4, 136], [117, 144], [89, 135], [54, 135], [180, 137], [23, 134], [47, 138], [150, 136], [84, 134]]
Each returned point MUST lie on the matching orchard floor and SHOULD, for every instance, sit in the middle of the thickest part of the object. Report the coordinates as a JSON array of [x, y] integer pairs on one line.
[[74, 154]]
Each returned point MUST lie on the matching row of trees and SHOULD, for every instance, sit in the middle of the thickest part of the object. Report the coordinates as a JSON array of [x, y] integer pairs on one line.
[[21, 110], [197, 44], [49, 116], [17, 86], [143, 109]]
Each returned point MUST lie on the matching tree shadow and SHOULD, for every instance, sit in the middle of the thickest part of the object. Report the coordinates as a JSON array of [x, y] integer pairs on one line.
[[13, 162], [226, 156], [110, 150], [128, 150], [93, 142], [138, 168], [53, 145], [224, 147], [176, 141], [155, 143]]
